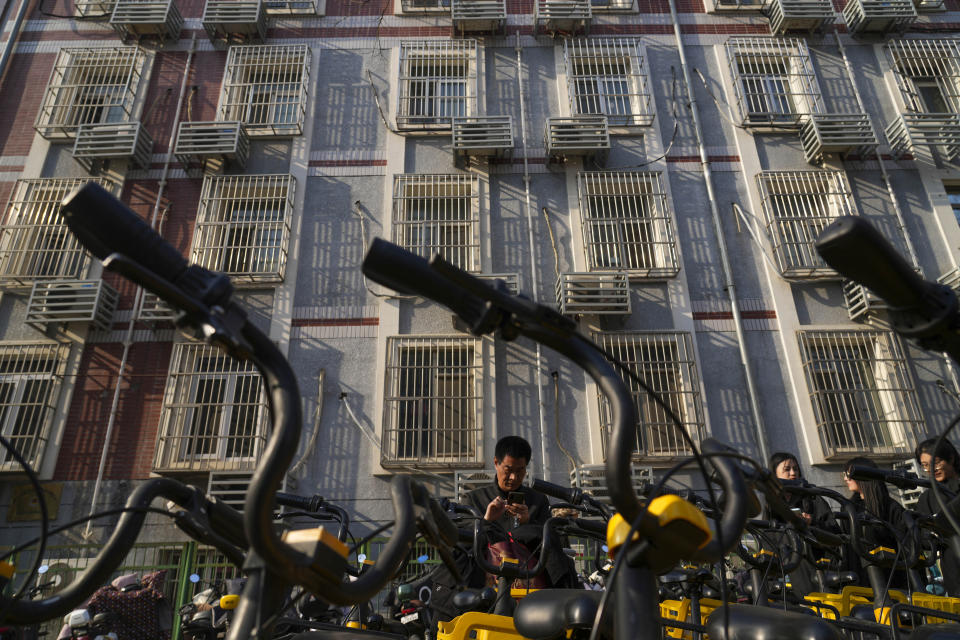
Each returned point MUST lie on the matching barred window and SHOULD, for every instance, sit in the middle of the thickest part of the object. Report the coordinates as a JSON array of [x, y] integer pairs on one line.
[[774, 79], [243, 226], [425, 6], [608, 76], [438, 81], [30, 379], [214, 415], [433, 401], [90, 86], [862, 392], [611, 5], [928, 74], [666, 362], [438, 214], [35, 244], [797, 205], [626, 225], [265, 86]]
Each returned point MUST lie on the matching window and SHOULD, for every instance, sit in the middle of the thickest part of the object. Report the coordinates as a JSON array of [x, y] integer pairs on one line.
[[438, 214], [265, 87], [665, 361], [612, 5], [774, 80], [30, 377], [797, 205], [928, 74], [862, 392], [90, 86], [953, 195], [433, 401], [438, 81], [607, 76], [34, 242], [626, 225], [243, 226], [214, 415]]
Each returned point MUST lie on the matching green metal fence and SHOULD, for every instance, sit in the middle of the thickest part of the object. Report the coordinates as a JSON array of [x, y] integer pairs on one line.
[[179, 559]]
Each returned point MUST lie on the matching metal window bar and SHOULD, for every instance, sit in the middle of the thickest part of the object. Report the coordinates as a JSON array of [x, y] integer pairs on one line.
[[928, 73], [608, 76], [214, 415], [89, 86], [438, 81], [243, 226], [35, 244], [666, 362], [265, 87], [626, 223], [863, 395], [438, 214], [433, 414], [797, 205], [775, 80], [30, 379]]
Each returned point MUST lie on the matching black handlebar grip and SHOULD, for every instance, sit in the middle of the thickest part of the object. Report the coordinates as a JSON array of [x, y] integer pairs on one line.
[[856, 250], [295, 501], [826, 538], [594, 526], [407, 273], [567, 494], [104, 226]]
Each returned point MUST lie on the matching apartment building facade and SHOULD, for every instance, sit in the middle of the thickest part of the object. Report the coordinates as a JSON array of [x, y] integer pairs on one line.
[[548, 143]]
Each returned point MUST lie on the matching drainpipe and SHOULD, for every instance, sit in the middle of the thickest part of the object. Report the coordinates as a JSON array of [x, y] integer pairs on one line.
[[14, 35], [898, 212], [138, 298], [533, 263], [721, 242]]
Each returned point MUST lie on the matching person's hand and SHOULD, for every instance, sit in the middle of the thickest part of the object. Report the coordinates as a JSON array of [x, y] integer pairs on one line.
[[519, 511], [807, 518], [495, 509]]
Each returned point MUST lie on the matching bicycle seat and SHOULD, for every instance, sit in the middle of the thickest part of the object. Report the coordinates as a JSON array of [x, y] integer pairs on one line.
[[747, 622], [936, 632], [474, 599], [549, 613]]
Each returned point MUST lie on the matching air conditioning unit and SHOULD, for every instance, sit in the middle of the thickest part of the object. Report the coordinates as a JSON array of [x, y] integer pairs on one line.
[[135, 18], [235, 20], [209, 147], [910, 133], [99, 143], [862, 304], [800, 15], [487, 136], [592, 478], [562, 17], [879, 16], [585, 136], [153, 308], [512, 280], [599, 293], [467, 481], [55, 306], [478, 16], [842, 133], [230, 487]]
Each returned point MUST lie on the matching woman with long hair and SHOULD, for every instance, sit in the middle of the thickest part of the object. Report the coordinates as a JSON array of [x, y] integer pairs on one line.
[[943, 465]]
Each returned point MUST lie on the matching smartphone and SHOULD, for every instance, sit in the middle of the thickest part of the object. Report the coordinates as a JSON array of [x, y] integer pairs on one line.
[[515, 497]]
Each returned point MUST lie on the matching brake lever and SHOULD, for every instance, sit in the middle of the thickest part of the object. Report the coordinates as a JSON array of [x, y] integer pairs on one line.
[[213, 324]]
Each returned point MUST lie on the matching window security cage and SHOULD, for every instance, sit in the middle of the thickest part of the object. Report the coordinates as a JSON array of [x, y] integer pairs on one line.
[[666, 361], [608, 76], [438, 214], [30, 379], [433, 402], [438, 82], [35, 244], [265, 87], [863, 396], [797, 206], [774, 81], [214, 416], [90, 86], [626, 224], [243, 226]]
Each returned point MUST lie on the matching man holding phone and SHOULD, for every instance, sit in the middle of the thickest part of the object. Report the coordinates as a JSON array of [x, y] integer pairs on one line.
[[518, 509]]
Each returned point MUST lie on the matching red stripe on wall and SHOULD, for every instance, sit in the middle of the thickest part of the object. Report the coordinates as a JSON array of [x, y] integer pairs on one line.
[[336, 322]]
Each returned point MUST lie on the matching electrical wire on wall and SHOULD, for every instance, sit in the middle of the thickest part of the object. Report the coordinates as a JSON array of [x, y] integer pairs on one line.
[[357, 209], [312, 442], [556, 419]]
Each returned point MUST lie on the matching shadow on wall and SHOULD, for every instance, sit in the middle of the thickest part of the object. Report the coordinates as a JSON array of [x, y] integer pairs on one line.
[[502, 92], [346, 112], [332, 245], [695, 232]]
